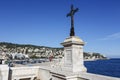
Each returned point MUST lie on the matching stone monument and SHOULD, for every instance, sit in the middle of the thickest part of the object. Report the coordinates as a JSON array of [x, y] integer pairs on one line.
[[73, 48]]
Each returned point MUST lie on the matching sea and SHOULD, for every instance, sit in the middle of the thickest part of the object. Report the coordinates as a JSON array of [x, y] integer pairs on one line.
[[109, 67]]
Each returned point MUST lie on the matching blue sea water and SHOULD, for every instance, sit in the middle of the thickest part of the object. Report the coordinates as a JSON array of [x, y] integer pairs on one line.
[[110, 67]]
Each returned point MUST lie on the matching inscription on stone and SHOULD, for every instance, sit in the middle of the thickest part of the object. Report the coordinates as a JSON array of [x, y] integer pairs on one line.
[[68, 57]]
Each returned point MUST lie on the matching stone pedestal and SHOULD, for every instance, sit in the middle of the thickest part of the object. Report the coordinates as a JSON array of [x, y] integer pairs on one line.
[[73, 54], [4, 72]]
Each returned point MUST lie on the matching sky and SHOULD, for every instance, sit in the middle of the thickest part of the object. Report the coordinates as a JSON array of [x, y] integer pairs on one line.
[[44, 23]]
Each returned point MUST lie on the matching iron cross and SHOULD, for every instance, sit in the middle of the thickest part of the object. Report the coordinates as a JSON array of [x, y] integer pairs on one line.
[[71, 14]]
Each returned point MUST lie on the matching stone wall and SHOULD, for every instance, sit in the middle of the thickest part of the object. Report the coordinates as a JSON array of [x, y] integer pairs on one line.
[[32, 72], [24, 72], [4, 69], [46, 73]]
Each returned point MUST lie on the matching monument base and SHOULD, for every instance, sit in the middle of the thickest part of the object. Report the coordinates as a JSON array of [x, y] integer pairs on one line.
[[73, 54], [65, 75], [77, 69]]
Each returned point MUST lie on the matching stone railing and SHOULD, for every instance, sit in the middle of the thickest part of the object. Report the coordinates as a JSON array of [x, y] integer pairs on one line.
[[24, 72], [4, 69]]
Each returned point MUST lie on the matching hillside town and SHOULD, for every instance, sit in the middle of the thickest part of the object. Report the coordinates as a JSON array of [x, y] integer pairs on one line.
[[12, 51]]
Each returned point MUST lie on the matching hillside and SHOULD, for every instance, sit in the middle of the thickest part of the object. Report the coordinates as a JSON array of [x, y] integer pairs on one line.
[[22, 51]]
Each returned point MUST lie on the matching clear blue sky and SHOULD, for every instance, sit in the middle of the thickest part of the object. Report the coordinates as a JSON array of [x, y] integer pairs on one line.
[[44, 23]]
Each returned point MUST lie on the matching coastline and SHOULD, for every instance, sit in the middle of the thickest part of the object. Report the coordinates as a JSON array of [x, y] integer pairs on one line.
[[96, 59]]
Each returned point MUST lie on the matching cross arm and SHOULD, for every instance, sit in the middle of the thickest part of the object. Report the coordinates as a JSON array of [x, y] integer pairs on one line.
[[75, 10], [69, 14]]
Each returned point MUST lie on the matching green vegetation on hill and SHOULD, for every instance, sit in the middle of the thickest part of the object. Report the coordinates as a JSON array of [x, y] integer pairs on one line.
[[34, 51]]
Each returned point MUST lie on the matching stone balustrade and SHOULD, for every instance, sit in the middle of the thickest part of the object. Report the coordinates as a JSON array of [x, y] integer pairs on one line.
[[24, 72], [46, 73], [4, 69]]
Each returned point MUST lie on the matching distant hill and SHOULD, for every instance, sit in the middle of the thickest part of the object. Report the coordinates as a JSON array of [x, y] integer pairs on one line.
[[20, 51]]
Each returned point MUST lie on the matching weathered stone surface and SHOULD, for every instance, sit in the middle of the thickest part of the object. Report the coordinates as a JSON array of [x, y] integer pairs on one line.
[[73, 54], [4, 71]]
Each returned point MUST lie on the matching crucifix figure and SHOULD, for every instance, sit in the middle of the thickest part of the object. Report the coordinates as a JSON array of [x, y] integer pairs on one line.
[[71, 14]]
